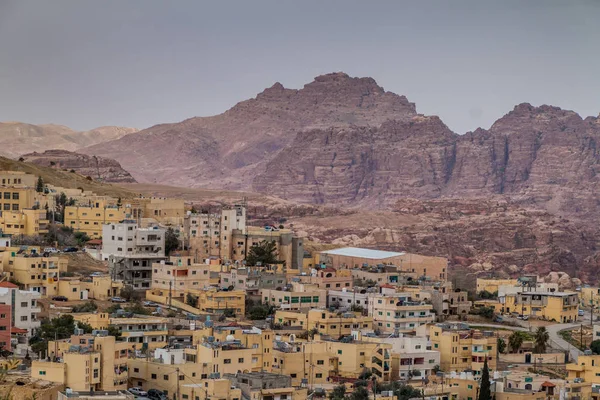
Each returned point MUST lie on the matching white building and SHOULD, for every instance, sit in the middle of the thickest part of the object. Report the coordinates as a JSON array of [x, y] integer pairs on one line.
[[346, 298], [24, 306], [131, 251]]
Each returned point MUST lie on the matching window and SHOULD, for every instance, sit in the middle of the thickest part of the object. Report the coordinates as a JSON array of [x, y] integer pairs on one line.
[[318, 375], [136, 370], [24, 318], [166, 377], [24, 304], [240, 360], [320, 362], [227, 361], [42, 372]]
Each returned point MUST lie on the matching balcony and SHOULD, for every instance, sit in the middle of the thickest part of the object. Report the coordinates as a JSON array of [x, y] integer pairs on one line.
[[575, 367]]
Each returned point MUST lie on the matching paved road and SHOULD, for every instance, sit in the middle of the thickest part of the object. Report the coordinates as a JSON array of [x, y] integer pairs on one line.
[[555, 339]]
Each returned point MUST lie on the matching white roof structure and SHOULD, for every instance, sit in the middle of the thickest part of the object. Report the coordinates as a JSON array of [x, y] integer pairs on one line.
[[363, 253]]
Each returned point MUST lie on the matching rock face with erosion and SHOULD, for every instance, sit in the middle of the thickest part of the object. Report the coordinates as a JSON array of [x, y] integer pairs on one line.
[[99, 168]]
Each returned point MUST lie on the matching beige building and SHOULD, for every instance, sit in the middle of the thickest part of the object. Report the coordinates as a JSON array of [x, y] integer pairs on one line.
[[143, 333], [462, 348], [39, 274], [29, 222], [335, 324], [86, 362], [300, 297], [398, 312], [180, 275], [90, 218], [432, 268], [17, 178]]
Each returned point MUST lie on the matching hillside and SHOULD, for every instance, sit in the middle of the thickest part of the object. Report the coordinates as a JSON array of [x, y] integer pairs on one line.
[[99, 168], [65, 178], [17, 138]]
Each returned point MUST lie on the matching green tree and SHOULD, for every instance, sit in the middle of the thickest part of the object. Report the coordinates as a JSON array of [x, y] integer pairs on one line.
[[405, 392], [39, 187], [171, 241], [128, 293], [113, 308], [484, 388], [359, 393], [56, 328], [501, 345], [541, 340], [259, 311], [264, 252], [595, 346], [338, 393], [191, 300], [515, 341], [114, 331], [81, 237], [87, 328], [137, 308]]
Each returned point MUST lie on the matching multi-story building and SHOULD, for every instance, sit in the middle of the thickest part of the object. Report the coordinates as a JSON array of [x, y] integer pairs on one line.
[[357, 299], [86, 362], [335, 324], [215, 301], [398, 312], [5, 326], [327, 278], [165, 211], [447, 301], [553, 306], [296, 297], [210, 234], [427, 267], [323, 360], [143, 333], [266, 385], [91, 217], [23, 306], [32, 271], [131, 251], [180, 275], [4, 240], [412, 356], [26, 221], [463, 349]]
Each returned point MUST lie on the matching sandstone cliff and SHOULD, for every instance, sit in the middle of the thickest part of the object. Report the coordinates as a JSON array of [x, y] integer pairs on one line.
[[99, 168]]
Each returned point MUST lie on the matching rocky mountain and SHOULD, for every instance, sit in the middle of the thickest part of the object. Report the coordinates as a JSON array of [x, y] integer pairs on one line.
[[17, 138], [230, 149], [540, 156], [99, 168]]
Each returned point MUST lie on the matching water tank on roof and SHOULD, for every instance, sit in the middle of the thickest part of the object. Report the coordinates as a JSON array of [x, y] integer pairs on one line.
[[230, 338]]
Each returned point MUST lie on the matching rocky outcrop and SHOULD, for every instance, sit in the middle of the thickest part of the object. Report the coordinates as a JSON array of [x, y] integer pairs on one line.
[[99, 168], [17, 138]]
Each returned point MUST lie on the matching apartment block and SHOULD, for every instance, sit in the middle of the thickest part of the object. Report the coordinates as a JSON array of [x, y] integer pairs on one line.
[[131, 251], [32, 271], [412, 356], [5, 326], [492, 285], [447, 301], [86, 362], [553, 306], [348, 299], [163, 210], [462, 348], [180, 275], [398, 312], [252, 280], [24, 307], [304, 299], [17, 178], [143, 333], [335, 324], [91, 217], [29, 222], [323, 360], [590, 296]]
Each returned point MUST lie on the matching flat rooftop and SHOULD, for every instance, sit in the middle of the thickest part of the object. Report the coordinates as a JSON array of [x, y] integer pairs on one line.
[[363, 253]]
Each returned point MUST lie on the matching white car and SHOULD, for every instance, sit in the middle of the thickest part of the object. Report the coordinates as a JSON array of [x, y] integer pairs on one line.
[[138, 391], [51, 250]]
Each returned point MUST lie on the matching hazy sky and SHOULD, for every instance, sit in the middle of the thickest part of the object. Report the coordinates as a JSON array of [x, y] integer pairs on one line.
[[140, 62]]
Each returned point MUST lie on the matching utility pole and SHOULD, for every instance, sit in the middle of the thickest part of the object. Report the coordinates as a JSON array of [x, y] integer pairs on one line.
[[581, 336], [170, 292]]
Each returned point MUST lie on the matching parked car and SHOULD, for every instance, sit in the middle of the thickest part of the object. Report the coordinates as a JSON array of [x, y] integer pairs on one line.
[[150, 304], [525, 317], [155, 394], [97, 274], [118, 300], [60, 298], [70, 250], [138, 391], [51, 250], [581, 313]]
